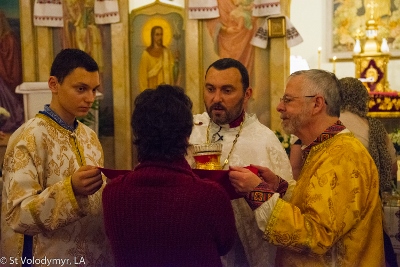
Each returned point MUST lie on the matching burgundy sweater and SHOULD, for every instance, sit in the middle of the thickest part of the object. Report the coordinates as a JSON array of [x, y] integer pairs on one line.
[[162, 214]]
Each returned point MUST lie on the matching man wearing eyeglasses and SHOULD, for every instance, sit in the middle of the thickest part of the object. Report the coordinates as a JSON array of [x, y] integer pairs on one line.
[[334, 216]]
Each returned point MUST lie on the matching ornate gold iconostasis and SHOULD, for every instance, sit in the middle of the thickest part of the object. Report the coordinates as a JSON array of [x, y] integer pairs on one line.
[[371, 56], [196, 52]]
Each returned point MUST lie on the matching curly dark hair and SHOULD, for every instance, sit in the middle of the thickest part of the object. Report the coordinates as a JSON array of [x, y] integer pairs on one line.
[[162, 122], [354, 96]]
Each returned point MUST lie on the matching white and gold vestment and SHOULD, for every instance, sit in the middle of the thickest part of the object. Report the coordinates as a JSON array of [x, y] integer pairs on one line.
[[256, 144], [38, 198]]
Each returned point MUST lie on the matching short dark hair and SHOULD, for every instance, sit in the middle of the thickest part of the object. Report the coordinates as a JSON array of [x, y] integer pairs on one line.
[[68, 60], [162, 122], [226, 63]]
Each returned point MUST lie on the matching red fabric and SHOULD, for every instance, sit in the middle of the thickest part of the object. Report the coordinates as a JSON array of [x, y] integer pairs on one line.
[[222, 177], [162, 214], [111, 174]]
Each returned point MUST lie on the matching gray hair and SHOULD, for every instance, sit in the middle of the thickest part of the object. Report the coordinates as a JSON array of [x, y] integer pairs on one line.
[[324, 83]]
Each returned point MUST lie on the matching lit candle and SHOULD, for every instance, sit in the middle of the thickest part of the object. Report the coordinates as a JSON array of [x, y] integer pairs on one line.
[[319, 57], [334, 64], [384, 46], [357, 47]]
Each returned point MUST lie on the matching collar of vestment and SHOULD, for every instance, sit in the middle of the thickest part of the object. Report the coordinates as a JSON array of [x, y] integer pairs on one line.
[[329, 132], [51, 114], [235, 123], [214, 135]]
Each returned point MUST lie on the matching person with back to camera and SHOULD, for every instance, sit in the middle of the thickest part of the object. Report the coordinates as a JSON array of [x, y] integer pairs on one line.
[[51, 201], [245, 141], [372, 134], [162, 214], [370, 131], [334, 217]]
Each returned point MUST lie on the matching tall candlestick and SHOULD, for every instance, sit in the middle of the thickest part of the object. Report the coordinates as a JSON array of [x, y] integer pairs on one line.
[[334, 64], [319, 57]]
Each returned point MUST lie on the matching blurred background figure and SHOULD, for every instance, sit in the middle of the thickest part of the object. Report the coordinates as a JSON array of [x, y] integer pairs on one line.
[[373, 135], [10, 76], [370, 131]]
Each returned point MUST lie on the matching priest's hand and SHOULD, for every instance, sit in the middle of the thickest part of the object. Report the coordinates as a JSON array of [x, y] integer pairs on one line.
[[242, 179], [269, 177], [87, 180]]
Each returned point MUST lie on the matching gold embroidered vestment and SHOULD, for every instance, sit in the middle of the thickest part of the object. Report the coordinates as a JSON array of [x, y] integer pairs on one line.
[[334, 217], [38, 198]]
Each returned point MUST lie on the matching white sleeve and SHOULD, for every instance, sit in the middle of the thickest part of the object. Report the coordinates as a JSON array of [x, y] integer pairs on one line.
[[263, 213]]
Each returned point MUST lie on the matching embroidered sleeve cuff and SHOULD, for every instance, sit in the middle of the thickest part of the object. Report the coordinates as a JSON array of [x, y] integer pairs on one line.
[[79, 203], [282, 186], [259, 195]]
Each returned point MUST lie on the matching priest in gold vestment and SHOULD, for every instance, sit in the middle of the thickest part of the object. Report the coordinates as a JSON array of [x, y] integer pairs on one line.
[[334, 215], [51, 201]]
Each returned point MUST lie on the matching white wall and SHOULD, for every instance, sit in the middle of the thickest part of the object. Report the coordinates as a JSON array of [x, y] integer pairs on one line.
[[310, 18]]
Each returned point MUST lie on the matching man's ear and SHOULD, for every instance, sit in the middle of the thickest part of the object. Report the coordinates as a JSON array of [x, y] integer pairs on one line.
[[248, 93], [319, 103], [53, 84]]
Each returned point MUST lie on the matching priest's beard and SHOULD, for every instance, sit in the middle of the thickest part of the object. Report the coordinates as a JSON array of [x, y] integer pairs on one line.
[[292, 125], [228, 116]]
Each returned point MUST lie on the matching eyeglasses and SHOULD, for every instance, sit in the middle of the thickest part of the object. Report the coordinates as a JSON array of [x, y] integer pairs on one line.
[[286, 100]]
